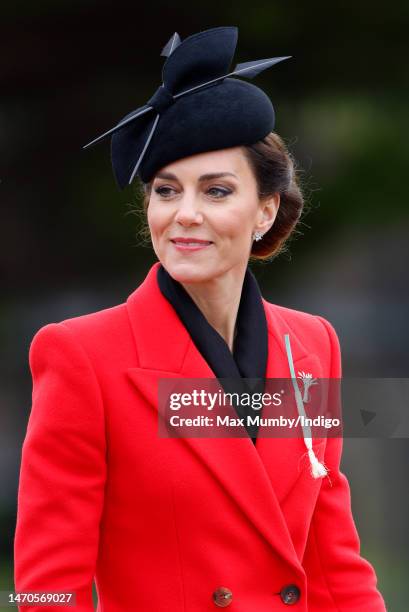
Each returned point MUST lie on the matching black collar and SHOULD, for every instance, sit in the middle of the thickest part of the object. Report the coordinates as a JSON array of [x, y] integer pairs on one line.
[[250, 349]]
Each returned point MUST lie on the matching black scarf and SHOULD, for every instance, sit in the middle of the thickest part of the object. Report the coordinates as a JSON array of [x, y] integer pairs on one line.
[[250, 348]]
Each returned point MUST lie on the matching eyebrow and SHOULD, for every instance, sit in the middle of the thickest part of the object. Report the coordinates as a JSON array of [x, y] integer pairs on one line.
[[204, 177]]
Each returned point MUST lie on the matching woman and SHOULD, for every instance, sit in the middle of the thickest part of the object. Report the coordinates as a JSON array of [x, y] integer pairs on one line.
[[189, 523]]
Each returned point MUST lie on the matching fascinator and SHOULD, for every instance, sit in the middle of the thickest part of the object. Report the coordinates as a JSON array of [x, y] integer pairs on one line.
[[200, 106]]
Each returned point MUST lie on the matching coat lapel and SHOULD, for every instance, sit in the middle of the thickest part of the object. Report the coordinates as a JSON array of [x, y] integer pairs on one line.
[[258, 479]]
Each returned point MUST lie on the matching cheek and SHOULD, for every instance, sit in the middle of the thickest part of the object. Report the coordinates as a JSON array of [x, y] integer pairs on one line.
[[156, 218], [235, 224]]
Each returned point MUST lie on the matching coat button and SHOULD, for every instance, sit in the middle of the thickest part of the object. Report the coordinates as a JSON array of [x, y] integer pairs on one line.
[[222, 597], [290, 594]]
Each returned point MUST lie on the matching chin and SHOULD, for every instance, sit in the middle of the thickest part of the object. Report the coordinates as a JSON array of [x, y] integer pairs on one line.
[[189, 272]]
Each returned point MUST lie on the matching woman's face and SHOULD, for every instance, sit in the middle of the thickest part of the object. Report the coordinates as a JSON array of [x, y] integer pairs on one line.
[[210, 197]]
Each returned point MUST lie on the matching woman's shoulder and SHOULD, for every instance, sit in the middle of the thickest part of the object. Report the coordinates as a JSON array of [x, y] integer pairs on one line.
[[96, 331], [299, 318], [313, 330]]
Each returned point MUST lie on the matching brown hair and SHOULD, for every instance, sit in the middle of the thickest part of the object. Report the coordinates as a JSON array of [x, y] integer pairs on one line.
[[275, 171]]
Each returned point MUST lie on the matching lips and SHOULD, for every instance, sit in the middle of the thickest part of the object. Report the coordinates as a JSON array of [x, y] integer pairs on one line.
[[191, 241]]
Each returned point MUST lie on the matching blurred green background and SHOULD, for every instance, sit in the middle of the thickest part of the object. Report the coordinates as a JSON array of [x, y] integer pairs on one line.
[[69, 243]]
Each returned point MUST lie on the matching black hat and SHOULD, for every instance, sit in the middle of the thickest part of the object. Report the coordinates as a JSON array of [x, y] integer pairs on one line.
[[198, 107]]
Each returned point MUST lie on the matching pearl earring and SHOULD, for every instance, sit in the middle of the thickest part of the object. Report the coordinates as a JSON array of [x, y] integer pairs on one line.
[[257, 235]]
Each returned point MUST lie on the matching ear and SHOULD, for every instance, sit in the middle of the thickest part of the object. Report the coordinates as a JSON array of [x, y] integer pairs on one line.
[[267, 213]]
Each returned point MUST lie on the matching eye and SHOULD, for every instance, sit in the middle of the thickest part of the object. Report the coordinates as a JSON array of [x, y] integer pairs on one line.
[[215, 192], [224, 192], [163, 191]]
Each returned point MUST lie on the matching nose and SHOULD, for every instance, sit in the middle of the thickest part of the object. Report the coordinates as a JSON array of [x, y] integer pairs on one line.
[[188, 211]]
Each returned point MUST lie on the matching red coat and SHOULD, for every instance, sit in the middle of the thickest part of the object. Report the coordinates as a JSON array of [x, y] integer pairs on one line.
[[163, 524]]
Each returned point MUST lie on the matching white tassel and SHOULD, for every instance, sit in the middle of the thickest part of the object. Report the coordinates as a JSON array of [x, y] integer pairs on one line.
[[318, 469]]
